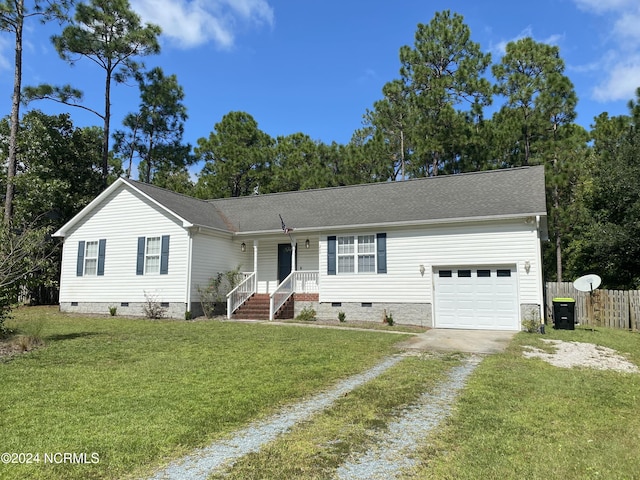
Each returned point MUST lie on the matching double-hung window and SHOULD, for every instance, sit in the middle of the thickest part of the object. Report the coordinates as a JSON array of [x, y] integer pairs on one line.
[[345, 255], [357, 254], [91, 255], [366, 253], [91, 258], [152, 256]]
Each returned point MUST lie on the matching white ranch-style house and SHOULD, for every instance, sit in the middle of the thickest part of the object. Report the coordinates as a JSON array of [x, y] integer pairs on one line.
[[455, 251]]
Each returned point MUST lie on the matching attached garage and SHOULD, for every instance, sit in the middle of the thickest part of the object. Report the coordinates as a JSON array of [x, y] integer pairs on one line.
[[476, 297]]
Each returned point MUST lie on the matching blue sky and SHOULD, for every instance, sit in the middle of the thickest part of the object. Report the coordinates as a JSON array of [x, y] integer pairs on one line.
[[316, 66]]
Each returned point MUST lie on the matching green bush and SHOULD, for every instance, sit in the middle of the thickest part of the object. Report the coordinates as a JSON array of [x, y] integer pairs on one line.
[[531, 321], [307, 314], [342, 316], [113, 310], [31, 335], [5, 313], [213, 297]]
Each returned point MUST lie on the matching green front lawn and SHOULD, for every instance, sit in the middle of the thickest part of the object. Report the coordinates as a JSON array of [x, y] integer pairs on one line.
[[141, 392], [523, 418]]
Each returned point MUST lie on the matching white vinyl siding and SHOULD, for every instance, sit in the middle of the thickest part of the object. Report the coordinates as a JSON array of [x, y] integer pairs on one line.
[[91, 258], [213, 253], [307, 258], [481, 243], [121, 219]]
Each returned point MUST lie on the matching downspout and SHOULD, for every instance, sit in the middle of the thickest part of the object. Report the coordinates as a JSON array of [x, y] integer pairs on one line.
[[64, 244], [541, 274], [189, 260]]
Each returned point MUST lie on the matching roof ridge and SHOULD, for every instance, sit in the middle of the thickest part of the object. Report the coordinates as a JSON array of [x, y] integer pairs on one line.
[[370, 184], [150, 185]]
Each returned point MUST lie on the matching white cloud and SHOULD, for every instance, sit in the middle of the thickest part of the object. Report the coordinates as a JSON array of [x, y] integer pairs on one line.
[[500, 48], [621, 63], [627, 27], [601, 6], [554, 39], [622, 80], [190, 23]]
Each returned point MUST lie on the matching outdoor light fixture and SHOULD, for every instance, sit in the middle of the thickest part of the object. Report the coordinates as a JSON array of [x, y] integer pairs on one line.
[[422, 270], [306, 243], [243, 247], [527, 266]]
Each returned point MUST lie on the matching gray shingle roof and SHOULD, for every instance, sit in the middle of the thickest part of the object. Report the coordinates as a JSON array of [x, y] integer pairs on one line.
[[196, 211], [495, 193]]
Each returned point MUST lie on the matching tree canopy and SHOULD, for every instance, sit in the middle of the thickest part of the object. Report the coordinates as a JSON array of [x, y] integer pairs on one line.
[[450, 110], [111, 35]]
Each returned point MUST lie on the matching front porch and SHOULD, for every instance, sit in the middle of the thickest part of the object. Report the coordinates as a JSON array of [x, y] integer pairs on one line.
[[244, 302], [281, 273]]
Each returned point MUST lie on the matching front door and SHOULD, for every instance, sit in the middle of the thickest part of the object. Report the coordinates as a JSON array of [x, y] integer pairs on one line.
[[284, 261]]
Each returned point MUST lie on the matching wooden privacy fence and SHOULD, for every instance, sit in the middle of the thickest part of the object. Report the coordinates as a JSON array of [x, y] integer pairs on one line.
[[602, 308]]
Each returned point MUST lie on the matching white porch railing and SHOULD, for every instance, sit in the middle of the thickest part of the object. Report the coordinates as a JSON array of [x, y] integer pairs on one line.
[[241, 293], [296, 282]]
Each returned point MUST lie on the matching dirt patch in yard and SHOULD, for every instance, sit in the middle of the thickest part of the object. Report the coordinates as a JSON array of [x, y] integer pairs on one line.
[[8, 350], [17, 345], [577, 354]]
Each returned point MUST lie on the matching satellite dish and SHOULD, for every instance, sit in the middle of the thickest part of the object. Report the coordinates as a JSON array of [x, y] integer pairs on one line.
[[587, 283]]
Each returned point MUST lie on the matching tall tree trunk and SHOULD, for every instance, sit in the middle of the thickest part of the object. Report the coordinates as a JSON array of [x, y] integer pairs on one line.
[[149, 159], [527, 148], [131, 151], [15, 116], [402, 154], [107, 120]]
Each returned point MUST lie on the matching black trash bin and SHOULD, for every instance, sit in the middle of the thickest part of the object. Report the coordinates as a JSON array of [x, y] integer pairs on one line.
[[564, 313]]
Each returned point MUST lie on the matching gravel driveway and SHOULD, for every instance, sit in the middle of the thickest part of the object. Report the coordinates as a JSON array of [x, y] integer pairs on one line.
[[401, 438], [221, 454], [393, 449]]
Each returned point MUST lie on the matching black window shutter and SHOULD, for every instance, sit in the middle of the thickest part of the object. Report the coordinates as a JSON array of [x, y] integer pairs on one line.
[[331, 255], [80, 264], [382, 252], [101, 248], [140, 263], [164, 255]]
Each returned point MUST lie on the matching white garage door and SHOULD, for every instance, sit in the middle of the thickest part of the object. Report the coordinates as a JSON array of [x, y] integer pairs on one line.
[[483, 298]]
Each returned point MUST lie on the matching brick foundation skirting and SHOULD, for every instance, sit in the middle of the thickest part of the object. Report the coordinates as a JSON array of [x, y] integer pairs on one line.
[[305, 297]]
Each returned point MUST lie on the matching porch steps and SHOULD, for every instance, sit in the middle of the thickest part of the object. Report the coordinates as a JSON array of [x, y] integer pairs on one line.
[[286, 310], [257, 308]]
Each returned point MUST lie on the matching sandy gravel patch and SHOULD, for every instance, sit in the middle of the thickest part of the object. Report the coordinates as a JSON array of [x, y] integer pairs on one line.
[[577, 354]]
